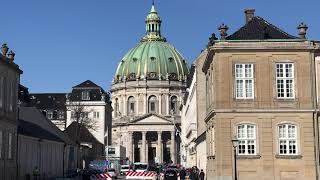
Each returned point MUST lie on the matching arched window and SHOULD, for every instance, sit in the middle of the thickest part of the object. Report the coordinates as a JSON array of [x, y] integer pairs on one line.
[[288, 139], [173, 105], [152, 104], [116, 107], [246, 134], [131, 105]]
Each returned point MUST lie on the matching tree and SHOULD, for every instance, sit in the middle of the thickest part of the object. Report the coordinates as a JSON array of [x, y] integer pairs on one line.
[[80, 113], [82, 121]]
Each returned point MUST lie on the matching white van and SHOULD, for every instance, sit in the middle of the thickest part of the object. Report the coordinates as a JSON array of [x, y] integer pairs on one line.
[[140, 167]]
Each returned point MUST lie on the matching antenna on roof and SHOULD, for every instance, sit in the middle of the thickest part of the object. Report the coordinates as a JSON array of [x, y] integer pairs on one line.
[[152, 2]]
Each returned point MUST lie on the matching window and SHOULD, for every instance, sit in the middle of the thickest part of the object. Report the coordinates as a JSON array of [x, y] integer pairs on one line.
[[1, 91], [207, 93], [85, 95], [55, 114], [1, 143], [287, 139], [285, 80], [152, 104], [60, 115], [84, 114], [50, 114], [246, 134], [10, 145], [173, 105], [131, 105], [11, 98], [244, 81], [96, 115], [73, 114], [116, 107]]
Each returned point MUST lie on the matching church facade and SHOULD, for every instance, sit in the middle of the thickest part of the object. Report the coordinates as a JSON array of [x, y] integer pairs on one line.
[[146, 93]]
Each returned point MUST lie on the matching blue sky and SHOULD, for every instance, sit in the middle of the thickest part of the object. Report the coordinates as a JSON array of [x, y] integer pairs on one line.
[[60, 43]]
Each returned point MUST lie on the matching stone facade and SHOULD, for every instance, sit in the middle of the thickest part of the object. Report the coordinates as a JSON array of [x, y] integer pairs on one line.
[[193, 127], [189, 122], [201, 145], [271, 111], [132, 128], [9, 83]]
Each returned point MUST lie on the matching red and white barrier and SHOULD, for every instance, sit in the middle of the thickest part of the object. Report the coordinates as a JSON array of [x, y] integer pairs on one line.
[[141, 175], [104, 176]]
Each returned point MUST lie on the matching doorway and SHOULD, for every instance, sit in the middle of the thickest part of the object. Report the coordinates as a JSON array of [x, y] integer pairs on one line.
[[151, 154], [136, 154]]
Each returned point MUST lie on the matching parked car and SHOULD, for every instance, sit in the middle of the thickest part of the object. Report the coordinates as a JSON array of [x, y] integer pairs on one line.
[[124, 169], [140, 167], [86, 173], [171, 174], [113, 173], [72, 173]]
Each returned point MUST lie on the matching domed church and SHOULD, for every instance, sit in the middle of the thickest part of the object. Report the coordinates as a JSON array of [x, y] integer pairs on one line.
[[147, 89]]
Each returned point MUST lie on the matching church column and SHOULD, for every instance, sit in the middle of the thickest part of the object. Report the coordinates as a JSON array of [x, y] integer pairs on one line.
[[130, 146], [172, 147], [145, 110], [160, 104], [124, 105], [159, 148], [137, 106], [143, 146], [147, 151], [167, 105]]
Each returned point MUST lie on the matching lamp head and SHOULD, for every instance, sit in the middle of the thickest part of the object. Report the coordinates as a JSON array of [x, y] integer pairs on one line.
[[235, 141]]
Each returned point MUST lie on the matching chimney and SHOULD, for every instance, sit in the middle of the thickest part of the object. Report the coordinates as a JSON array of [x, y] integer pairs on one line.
[[249, 13]]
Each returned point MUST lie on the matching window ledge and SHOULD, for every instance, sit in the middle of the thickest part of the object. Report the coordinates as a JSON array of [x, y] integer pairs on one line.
[[245, 99], [288, 156], [248, 156], [285, 99]]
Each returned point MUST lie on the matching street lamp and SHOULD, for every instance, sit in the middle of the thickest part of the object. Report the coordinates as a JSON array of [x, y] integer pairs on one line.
[[235, 142]]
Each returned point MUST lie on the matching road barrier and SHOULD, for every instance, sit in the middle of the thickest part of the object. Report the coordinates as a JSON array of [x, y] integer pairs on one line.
[[141, 175], [104, 176]]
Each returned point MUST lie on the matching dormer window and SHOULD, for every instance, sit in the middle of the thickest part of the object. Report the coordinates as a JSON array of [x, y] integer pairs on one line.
[[85, 95], [50, 114]]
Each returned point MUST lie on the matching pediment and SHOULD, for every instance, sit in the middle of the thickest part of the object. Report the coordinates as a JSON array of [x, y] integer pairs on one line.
[[151, 119]]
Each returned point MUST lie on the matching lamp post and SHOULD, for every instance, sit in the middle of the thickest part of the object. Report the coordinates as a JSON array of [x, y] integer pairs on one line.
[[235, 142]]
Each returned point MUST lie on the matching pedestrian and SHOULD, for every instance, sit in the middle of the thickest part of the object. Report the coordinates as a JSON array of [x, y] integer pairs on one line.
[[36, 173], [194, 175], [182, 174], [201, 175]]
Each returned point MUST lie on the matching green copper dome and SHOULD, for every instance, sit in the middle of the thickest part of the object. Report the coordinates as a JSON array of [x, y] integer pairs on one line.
[[153, 58]]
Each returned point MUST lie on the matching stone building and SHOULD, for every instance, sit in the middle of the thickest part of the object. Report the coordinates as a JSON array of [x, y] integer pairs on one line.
[[87, 99], [92, 104], [9, 83], [53, 106], [260, 90], [146, 93], [200, 141], [189, 122], [41, 144]]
